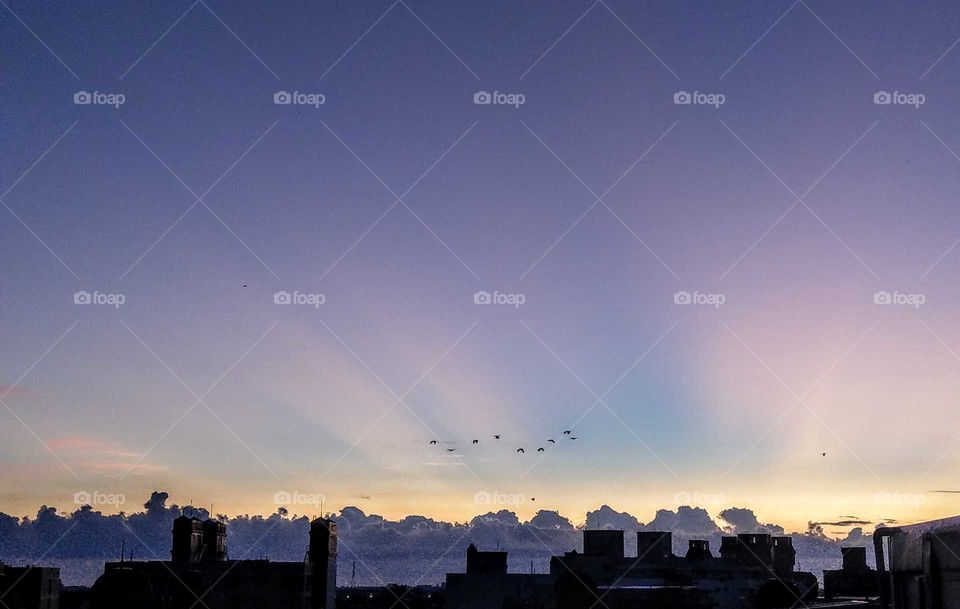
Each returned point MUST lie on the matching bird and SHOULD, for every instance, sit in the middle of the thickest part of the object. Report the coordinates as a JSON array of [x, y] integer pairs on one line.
[[496, 437], [476, 441], [432, 442], [573, 437], [566, 433], [552, 441], [533, 498], [450, 450], [540, 450], [823, 454], [520, 450]]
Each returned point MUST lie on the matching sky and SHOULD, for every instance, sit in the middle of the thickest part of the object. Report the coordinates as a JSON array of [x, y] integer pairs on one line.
[[812, 227]]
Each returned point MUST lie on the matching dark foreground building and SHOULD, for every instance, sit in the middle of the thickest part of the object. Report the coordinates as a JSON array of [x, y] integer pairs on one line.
[[199, 575], [29, 587], [752, 572], [919, 565], [855, 580]]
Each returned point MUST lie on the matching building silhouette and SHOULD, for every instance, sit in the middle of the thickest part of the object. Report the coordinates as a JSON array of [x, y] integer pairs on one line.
[[29, 587], [752, 571], [199, 574], [918, 566], [854, 580]]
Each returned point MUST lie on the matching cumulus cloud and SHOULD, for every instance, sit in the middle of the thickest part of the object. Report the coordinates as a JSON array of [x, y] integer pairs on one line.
[[412, 549]]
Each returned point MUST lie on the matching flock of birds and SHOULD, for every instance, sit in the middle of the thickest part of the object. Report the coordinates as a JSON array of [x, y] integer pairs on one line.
[[566, 434]]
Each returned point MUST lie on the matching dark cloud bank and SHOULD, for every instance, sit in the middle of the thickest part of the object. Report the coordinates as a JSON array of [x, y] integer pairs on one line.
[[413, 550]]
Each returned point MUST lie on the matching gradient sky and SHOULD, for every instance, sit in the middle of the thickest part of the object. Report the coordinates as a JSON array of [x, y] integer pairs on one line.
[[727, 406]]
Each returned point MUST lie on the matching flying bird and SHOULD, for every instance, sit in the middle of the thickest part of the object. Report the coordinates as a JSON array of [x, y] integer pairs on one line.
[[566, 433], [432, 442], [540, 450], [823, 454], [450, 450], [520, 450], [496, 437], [552, 441], [573, 437], [476, 441]]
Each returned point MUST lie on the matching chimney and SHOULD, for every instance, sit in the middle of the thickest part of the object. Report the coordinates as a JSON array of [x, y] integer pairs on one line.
[[654, 546], [321, 567], [187, 544], [603, 543], [699, 549], [854, 559], [214, 541]]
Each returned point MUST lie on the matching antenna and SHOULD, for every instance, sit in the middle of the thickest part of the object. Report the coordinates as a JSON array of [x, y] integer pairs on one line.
[[123, 545]]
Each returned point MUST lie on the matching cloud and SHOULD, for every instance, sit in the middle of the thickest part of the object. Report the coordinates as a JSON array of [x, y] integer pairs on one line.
[[413, 548]]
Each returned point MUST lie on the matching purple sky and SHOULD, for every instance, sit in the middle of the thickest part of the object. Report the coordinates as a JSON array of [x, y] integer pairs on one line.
[[598, 202]]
